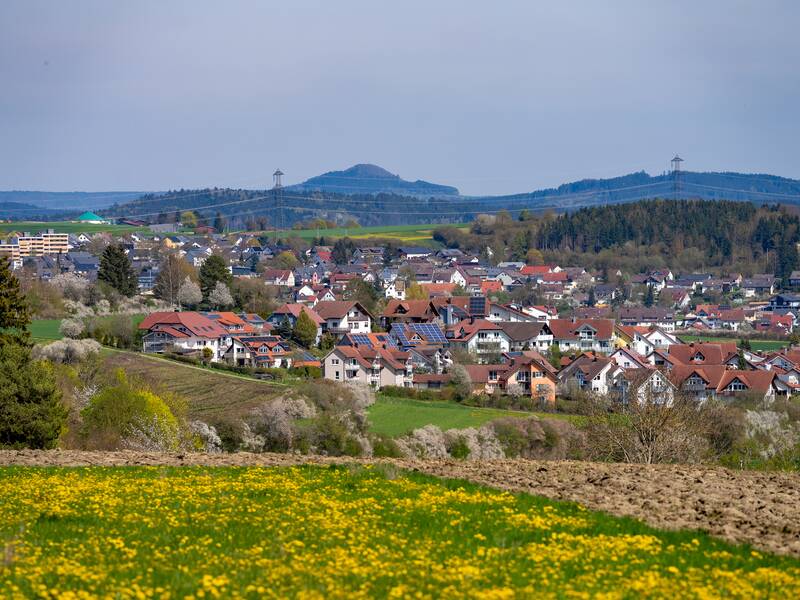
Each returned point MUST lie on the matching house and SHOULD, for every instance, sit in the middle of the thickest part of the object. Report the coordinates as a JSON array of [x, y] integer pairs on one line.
[[589, 373], [530, 374], [758, 285], [629, 359], [408, 311], [509, 313], [375, 366], [486, 379], [644, 385], [527, 336], [703, 353], [480, 337], [794, 280], [645, 317], [408, 335], [256, 322], [412, 252], [185, 332], [702, 382], [261, 351], [279, 277], [232, 322], [344, 316], [583, 335], [784, 302]]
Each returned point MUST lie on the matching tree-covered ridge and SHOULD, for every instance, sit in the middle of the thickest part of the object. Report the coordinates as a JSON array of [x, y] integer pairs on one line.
[[685, 235]]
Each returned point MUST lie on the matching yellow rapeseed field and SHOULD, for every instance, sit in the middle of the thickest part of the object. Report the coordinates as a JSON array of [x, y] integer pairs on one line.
[[318, 532]]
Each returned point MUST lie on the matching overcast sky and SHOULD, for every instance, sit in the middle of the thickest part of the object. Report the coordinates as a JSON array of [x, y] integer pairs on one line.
[[492, 97]]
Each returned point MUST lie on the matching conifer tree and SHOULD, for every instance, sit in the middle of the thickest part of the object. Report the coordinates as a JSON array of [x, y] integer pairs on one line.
[[116, 270]]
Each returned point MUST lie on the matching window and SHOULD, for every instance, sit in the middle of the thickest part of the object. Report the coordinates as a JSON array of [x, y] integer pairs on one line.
[[335, 361], [336, 374], [736, 386]]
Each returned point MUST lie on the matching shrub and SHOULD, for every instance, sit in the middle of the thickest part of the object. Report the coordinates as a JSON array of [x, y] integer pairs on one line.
[[67, 351], [385, 447], [548, 439], [425, 442], [457, 446], [32, 414], [71, 328], [130, 416]]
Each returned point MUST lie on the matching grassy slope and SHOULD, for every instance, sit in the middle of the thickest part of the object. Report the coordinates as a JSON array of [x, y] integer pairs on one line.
[[66, 227], [210, 394], [343, 533], [767, 345], [398, 416]]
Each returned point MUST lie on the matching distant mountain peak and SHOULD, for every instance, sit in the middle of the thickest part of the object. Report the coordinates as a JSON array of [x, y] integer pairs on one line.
[[366, 178]]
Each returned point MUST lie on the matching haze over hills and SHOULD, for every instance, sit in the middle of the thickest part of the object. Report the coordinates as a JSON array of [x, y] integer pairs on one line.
[[35, 205], [374, 196], [372, 179]]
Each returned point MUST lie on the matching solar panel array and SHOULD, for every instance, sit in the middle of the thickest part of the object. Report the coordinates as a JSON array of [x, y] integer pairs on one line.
[[477, 305], [364, 339], [361, 339], [430, 332]]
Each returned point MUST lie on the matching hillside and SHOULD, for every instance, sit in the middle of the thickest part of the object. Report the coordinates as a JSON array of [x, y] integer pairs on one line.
[[371, 179], [372, 196]]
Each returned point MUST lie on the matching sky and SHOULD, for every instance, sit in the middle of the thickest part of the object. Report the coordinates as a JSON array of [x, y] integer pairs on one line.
[[491, 97]]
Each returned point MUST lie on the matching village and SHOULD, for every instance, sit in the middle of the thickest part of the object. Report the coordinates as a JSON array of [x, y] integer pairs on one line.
[[416, 317]]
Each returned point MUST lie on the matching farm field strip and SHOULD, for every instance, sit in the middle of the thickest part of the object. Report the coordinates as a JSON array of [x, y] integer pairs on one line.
[[342, 532], [766, 345], [397, 416]]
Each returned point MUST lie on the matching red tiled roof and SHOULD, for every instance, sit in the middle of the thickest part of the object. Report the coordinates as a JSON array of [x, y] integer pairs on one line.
[[195, 323], [565, 329]]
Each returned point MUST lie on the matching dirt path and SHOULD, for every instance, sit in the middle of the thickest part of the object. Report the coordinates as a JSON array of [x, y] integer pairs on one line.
[[762, 509]]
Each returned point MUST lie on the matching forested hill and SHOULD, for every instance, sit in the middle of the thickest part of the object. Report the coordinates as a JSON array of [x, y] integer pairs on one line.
[[371, 179], [687, 234]]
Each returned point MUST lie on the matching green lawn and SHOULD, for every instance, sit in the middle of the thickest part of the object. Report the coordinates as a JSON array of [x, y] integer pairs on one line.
[[766, 345], [48, 329], [397, 416], [341, 533], [409, 234], [66, 227]]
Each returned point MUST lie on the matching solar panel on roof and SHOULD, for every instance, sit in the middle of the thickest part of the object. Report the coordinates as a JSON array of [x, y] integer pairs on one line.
[[477, 305], [361, 339]]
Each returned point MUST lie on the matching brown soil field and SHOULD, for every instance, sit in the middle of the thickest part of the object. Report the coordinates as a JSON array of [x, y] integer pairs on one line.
[[759, 508]]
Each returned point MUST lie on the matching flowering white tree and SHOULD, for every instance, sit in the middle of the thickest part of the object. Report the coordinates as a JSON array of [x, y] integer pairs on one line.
[[189, 293], [220, 296]]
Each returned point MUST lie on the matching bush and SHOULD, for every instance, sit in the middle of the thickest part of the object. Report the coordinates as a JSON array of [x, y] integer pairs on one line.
[[32, 414], [71, 328], [67, 351], [457, 446], [544, 439], [385, 447], [130, 416]]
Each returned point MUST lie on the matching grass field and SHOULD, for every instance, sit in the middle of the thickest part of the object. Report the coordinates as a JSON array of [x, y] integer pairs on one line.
[[48, 329], [45, 329], [339, 532], [66, 227], [397, 416], [764, 345], [405, 234]]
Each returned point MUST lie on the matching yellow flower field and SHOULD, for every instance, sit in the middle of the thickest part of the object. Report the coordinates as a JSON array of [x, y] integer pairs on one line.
[[316, 532]]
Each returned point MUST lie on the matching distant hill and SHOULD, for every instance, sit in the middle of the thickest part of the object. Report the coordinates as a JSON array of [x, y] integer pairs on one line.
[[371, 179], [373, 196], [69, 201]]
